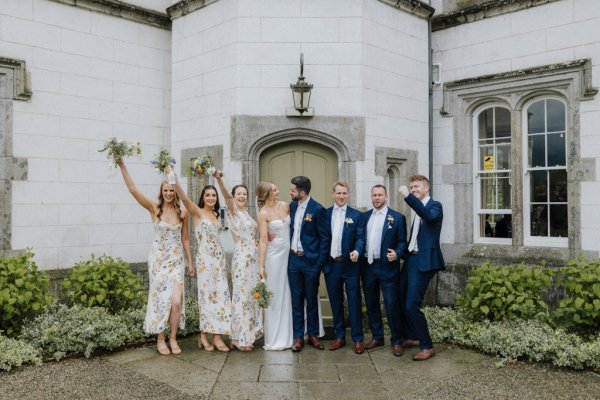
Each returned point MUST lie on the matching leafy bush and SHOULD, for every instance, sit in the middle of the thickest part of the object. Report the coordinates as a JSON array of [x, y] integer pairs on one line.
[[580, 310], [23, 291], [104, 282], [192, 317], [513, 339], [505, 292], [66, 330], [14, 353]]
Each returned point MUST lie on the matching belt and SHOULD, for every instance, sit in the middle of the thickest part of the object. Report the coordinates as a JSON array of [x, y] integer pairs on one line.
[[414, 252], [297, 253], [337, 259]]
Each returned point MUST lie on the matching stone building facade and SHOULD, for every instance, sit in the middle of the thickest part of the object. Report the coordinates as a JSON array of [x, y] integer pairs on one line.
[[495, 100]]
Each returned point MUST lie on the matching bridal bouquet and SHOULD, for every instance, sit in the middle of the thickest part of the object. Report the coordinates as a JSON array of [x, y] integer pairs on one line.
[[119, 148], [261, 294], [201, 166], [163, 160]]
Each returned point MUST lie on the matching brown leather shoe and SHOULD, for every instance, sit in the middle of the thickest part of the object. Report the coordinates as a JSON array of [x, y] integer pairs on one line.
[[315, 342], [424, 354], [298, 345], [374, 343], [359, 347], [411, 343], [337, 343], [397, 350]]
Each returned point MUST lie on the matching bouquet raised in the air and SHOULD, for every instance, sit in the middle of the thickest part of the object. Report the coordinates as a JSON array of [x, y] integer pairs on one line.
[[261, 294], [118, 149], [201, 166], [163, 160]]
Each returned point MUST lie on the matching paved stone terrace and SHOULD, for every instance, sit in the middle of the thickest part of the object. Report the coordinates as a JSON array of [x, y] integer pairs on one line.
[[196, 374]]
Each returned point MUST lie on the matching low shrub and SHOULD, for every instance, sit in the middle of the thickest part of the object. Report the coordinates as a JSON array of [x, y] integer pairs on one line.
[[14, 353], [105, 282], [23, 291], [580, 310], [515, 339], [505, 292], [64, 330]]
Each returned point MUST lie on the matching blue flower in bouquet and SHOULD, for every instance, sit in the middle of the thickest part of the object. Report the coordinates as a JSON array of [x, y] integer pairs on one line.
[[201, 166], [163, 160]]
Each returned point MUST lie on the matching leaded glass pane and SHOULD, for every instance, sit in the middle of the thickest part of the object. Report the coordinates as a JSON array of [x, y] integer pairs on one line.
[[536, 118], [503, 156], [556, 150], [539, 220], [502, 122], [539, 186], [486, 124], [559, 224], [558, 186], [537, 151], [555, 113]]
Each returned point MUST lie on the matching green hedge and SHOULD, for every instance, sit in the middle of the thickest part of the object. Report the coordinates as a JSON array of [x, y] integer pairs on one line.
[[14, 353]]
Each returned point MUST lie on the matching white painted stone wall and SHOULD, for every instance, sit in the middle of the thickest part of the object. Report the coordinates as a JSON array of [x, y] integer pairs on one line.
[[552, 33], [364, 58], [156, 5], [93, 76]]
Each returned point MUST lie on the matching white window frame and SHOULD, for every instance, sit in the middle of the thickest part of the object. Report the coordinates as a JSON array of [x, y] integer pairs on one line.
[[477, 210], [529, 240]]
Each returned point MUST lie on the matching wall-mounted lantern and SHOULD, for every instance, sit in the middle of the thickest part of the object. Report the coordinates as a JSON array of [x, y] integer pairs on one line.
[[301, 95]]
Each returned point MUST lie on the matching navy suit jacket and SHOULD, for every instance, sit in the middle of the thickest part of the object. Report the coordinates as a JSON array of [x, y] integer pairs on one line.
[[314, 232], [429, 256], [353, 238], [393, 235]]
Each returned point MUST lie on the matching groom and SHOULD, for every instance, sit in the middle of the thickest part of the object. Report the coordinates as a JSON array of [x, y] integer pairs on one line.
[[309, 250]]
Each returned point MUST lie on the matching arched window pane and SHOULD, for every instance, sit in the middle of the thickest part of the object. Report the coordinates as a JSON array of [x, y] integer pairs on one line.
[[502, 122], [486, 124], [537, 151], [555, 111], [556, 150], [536, 117], [539, 186], [558, 186]]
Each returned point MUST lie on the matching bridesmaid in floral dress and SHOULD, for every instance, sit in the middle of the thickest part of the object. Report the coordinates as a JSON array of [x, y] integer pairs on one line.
[[165, 263], [246, 323], [214, 299]]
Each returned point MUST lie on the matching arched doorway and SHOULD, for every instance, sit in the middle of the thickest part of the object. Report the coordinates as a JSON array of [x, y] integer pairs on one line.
[[281, 162]]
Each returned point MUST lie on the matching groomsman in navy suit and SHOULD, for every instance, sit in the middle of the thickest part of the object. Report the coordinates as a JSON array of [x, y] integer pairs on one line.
[[343, 268], [423, 258], [385, 243], [309, 251]]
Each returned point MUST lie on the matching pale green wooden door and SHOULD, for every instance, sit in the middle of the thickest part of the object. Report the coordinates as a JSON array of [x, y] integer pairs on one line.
[[282, 162]]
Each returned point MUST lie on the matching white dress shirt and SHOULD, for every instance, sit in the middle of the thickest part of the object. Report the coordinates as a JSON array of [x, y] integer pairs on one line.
[[374, 233], [338, 215], [298, 217], [416, 226]]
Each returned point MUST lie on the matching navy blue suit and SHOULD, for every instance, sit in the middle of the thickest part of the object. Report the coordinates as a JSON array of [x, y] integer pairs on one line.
[[346, 273], [304, 271], [419, 268], [385, 276]]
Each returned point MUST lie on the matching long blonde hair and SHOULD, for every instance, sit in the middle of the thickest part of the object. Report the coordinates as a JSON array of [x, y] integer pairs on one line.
[[264, 190], [161, 201]]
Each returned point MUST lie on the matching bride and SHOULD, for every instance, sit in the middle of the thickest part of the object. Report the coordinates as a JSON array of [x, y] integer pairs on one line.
[[274, 219]]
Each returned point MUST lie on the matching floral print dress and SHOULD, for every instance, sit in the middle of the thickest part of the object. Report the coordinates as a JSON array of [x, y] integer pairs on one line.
[[165, 270], [246, 323], [214, 300]]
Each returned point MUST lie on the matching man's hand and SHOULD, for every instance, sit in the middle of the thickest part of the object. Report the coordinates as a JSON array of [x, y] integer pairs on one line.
[[391, 255], [354, 256], [403, 191]]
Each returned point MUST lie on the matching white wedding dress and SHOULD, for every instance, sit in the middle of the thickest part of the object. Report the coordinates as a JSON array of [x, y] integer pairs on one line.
[[277, 325]]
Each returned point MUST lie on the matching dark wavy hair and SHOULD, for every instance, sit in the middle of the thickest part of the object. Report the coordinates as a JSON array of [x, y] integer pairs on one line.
[[302, 183], [217, 206]]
